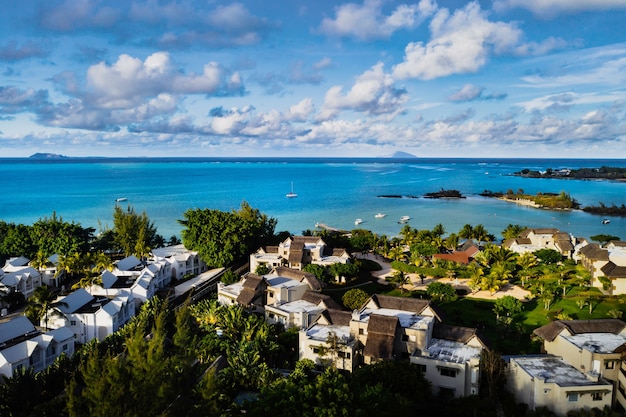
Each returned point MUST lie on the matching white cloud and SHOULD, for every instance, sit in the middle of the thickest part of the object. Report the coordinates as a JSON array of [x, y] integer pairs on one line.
[[611, 72], [374, 93], [129, 80], [469, 92], [301, 111], [76, 14], [366, 22], [552, 8], [461, 43]]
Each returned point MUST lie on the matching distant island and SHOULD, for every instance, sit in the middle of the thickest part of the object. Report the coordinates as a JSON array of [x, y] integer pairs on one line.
[[445, 194], [553, 201], [603, 173], [437, 194], [41, 155]]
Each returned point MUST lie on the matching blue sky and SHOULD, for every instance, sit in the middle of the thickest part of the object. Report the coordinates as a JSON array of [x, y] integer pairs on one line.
[[497, 78]]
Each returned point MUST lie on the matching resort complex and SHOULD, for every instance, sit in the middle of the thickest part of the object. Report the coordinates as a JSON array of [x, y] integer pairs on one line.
[[294, 286]]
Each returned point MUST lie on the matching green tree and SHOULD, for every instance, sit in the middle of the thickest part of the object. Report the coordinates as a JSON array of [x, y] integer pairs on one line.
[[133, 233], [506, 307], [355, 298], [441, 292], [42, 304], [512, 231], [548, 256], [222, 237], [400, 279], [603, 239]]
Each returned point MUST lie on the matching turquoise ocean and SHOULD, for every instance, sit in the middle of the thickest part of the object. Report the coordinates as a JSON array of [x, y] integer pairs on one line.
[[333, 191]]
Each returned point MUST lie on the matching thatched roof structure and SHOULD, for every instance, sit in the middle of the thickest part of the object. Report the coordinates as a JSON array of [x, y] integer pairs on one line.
[[551, 330], [381, 333], [253, 287]]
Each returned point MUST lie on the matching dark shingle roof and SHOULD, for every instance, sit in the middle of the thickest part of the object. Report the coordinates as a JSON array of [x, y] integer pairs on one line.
[[594, 252], [338, 317], [551, 330], [300, 276], [252, 288], [611, 270], [319, 298], [400, 303], [381, 332]]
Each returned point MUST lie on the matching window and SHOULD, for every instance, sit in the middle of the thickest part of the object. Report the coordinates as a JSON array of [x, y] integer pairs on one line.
[[596, 396], [405, 337], [65, 347], [360, 331], [316, 349], [609, 364], [72, 322], [345, 355], [270, 294], [449, 372], [270, 315], [421, 368], [572, 397]]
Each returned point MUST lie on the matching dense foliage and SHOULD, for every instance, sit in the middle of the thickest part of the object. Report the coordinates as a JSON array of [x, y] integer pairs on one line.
[[133, 233], [222, 237]]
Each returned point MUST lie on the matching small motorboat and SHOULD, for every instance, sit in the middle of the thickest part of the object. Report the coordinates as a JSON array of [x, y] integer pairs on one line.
[[606, 221], [380, 215], [119, 200], [358, 221], [404, 219]]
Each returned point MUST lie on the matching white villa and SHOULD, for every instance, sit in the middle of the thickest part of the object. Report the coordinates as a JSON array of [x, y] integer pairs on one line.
[[451, 360], [92, 317], [597, 348], [22, 279], [184, 261], [329, 341], [609, 262], [281, 286], [534, 239], [23, 346], [549, 381], [296, 252]]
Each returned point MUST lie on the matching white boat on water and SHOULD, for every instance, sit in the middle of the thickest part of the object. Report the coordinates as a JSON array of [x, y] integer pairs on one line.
[[380, 215], [404, 219], [358, 222], [118, 200], [291, 194], [606, 221]]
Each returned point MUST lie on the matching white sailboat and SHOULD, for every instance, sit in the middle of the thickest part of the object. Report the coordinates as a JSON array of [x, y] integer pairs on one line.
[[291, 194]]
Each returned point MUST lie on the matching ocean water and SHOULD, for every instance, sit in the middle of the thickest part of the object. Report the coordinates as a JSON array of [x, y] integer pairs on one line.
[[332, 191]]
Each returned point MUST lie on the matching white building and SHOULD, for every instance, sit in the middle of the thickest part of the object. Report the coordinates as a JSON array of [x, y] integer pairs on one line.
[[594, 347], [329, 342], [451, 361], [22, 279], [549, 381], [92, 317], [23, 346], [184, 261], [296, 252]]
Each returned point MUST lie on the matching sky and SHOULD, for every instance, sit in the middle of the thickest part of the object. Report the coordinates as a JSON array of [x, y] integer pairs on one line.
[[369, 78]]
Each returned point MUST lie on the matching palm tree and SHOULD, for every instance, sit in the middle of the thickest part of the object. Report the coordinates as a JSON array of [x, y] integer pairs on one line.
[[101, 262], [400, 279], [396, 253], [40, 262], [438, 230], [496, 279], [480, 233], [42, 304], [476, 276], [452, 241], [466, 232]]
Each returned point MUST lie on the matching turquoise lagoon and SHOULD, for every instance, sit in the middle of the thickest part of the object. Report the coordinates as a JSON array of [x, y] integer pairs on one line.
[[332, 191]]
